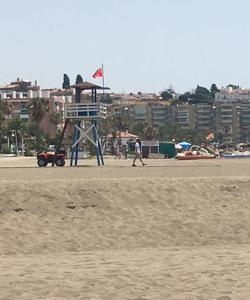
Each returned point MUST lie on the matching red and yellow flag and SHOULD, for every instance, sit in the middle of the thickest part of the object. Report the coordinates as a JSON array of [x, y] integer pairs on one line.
[[210, 136]]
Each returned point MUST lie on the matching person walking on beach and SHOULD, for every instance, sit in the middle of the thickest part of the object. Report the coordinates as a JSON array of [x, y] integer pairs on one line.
[[137, 153]]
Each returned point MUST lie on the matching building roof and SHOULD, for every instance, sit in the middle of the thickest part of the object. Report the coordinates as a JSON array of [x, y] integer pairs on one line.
[[8, 87], [19, 86], [123, 135]]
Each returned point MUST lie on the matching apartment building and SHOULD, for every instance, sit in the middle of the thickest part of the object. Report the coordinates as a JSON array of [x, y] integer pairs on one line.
[[160, 113], [19, 89], [140, 112], [184, 115], [154, 113], [204, 113], [244, 114], [230, 94], [227, 120], [229, 115], [20, 93], [232, 109]]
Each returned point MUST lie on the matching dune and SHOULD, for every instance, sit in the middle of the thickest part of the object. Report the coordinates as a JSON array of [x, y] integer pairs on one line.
[[121, 233], [90, 215]]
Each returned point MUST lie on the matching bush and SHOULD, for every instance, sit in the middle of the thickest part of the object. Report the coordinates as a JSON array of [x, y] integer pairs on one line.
[[29, 153], [6, 150]]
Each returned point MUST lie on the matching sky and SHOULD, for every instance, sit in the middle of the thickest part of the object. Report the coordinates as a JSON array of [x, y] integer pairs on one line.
[[144, 45]]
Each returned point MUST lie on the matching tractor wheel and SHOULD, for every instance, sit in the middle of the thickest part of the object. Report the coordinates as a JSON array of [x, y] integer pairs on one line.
[[60, 162], [42, 162]]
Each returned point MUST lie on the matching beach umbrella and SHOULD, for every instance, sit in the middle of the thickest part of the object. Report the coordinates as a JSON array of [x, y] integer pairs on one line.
[[177, 146], [185, 145]]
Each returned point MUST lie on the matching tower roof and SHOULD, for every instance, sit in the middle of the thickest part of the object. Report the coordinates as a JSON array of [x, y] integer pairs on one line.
[[88, 86]]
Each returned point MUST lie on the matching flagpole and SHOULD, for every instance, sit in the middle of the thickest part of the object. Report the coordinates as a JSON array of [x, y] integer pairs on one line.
[[102, 82]]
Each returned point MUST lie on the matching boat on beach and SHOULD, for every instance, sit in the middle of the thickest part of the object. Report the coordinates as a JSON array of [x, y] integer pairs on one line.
[[188, 156], [196, 152], [236, 154]]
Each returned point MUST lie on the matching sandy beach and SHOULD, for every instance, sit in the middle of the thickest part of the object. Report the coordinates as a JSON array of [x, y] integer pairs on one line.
[[169, 230]]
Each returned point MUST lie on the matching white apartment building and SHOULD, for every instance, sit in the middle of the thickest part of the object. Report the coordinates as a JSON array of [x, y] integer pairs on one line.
[[232, 108], [230, 94]]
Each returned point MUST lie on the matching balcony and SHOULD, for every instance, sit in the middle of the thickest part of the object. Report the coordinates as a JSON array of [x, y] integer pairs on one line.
[[226, 115], [226, 121], [204, 117], [24, 116]]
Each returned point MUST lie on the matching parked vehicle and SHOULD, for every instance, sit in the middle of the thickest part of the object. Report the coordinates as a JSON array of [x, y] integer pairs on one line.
[[46, 157]]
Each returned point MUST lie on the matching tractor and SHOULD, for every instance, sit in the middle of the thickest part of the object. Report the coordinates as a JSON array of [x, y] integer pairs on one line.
[[46, 157]]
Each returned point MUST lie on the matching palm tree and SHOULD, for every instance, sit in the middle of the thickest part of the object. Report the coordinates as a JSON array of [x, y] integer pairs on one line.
[[5, 110], [150, 132], [5, 107], [2, 128], [38, 108], [56, 117]]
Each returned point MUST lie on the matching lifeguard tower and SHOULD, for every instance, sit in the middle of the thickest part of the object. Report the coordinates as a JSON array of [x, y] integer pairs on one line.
[[84, 116]]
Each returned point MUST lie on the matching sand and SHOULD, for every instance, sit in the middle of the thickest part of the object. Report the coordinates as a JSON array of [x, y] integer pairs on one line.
[[169, 230]]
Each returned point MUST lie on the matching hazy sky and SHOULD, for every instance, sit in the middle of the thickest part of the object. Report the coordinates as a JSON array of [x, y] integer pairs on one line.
[[145, 45]]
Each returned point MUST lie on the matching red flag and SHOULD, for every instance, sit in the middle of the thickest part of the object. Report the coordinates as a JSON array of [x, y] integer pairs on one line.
[[98, 73]]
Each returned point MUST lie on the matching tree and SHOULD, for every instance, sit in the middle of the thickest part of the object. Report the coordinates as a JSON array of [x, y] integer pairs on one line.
[[38, 108], [167, 132], [79, 79], [233, 86], [5, 108], [2, 125], [196, 137], [168, 94], [16, 129], [214, 90], [66, 82], [162, 133], [150, 132], [106, 99], [56, 117], [137, 128], [183, 98], [17, 124], [40, 138], [202, 94]]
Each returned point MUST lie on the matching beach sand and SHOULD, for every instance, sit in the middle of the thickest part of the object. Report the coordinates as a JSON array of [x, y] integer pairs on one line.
[[169, 230]]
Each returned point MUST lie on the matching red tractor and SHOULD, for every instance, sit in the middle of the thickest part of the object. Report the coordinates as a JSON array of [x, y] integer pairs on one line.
[[47, 157]]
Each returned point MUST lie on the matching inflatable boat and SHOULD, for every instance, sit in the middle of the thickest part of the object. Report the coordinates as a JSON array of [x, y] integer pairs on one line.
[[191, 156], [236, 154], [196, 152]]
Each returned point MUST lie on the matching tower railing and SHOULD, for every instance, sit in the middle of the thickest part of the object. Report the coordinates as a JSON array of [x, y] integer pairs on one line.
[[85, 111]]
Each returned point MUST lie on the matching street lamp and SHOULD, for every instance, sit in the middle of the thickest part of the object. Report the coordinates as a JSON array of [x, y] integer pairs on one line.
[[123, 122], [23, 139], [214, 118], [238, 122], [14, 134], [126, 117], [8, 141]]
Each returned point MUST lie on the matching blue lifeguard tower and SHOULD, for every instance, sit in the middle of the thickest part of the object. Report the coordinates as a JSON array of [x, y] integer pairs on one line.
[[84, 116]]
